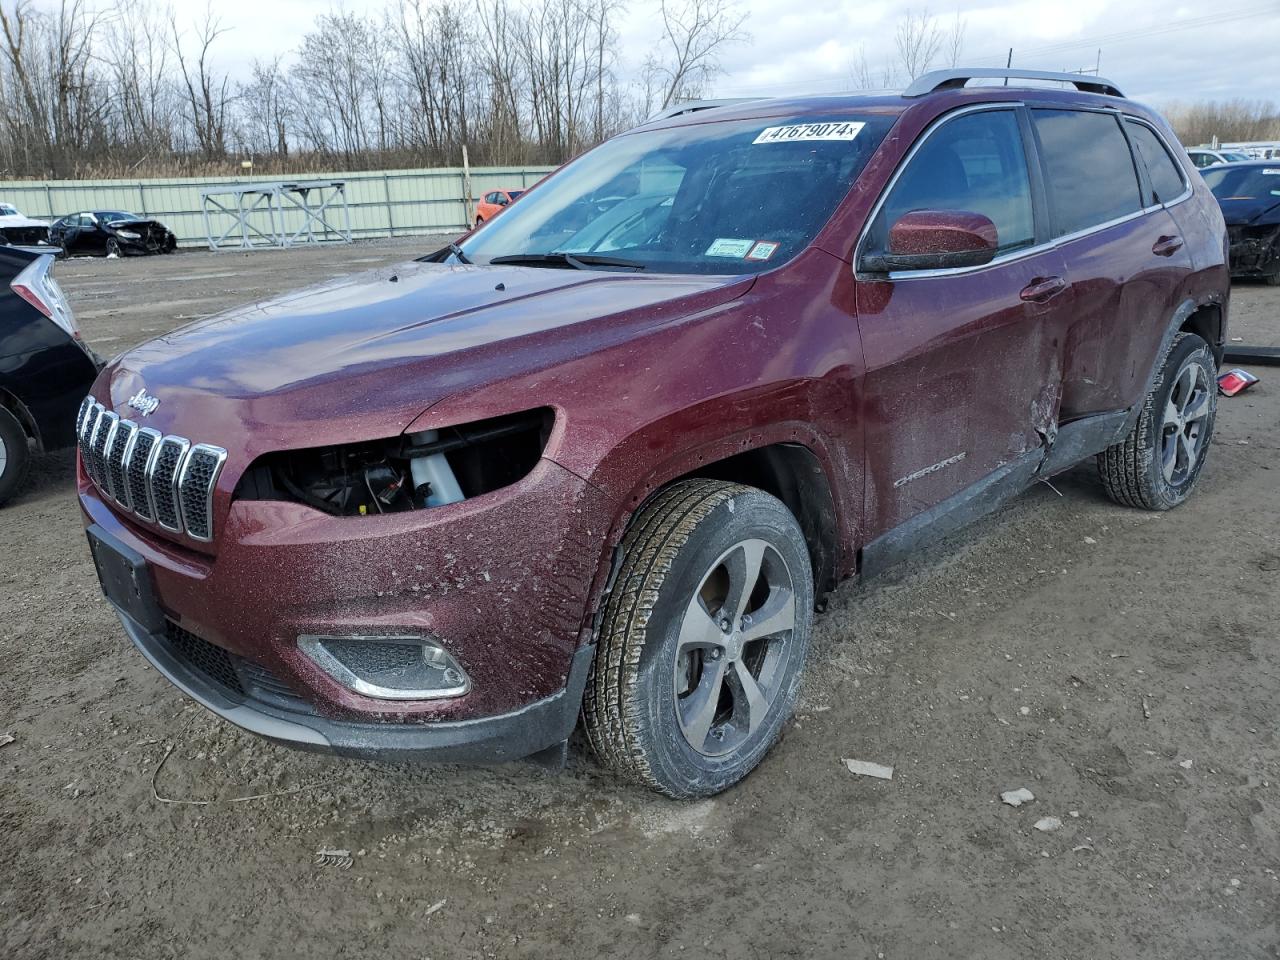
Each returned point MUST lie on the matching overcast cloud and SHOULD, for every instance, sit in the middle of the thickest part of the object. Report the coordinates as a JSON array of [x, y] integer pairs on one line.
[[1153, 51]]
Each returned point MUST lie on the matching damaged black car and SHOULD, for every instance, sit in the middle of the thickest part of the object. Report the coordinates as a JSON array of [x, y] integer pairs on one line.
[[111, 233], [1249, 194]]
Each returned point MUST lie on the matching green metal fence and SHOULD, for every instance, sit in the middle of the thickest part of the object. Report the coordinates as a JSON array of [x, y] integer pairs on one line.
[[383, 203]]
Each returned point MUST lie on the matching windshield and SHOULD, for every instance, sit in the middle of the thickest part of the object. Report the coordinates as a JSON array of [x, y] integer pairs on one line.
[[729, 197], [1243, 183], [1234, 157], [8, 211], [111, 215]]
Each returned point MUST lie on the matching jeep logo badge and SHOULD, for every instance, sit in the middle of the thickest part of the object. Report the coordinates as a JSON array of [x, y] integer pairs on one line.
[[144, 403]]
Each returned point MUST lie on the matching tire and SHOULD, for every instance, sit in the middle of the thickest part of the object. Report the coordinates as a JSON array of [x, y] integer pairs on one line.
[[113, 247], [479, 220], [685, 558], [1157, 465], [15, 455]]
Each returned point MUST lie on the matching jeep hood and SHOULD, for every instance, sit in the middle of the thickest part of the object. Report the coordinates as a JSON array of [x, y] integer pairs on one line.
[[360, 357]]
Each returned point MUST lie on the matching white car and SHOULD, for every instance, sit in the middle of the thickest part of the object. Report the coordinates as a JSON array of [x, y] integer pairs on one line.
[[1204, 157], [20, 230]]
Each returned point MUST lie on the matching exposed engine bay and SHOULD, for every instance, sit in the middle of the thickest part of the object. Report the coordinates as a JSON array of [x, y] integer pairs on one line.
[[409, 472]]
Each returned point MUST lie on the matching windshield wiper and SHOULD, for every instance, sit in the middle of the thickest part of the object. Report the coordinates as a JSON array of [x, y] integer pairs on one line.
[[457, 252], [578, 261]]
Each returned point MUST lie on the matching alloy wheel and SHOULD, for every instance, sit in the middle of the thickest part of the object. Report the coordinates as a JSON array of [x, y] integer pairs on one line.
[[734, 647], [1185, 417], [4, 457]]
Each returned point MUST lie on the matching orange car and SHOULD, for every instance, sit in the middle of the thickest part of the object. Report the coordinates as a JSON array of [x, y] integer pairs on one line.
[[493, 202]]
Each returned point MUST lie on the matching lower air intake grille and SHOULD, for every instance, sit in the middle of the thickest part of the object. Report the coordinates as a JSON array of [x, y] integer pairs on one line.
[[214, 663]]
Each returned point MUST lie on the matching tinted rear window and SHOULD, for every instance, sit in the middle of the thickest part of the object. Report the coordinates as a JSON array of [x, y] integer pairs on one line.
[[1165, 174], [1090, 177]]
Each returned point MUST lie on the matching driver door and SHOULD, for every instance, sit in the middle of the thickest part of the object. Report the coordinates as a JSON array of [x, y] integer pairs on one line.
[[964, 365]]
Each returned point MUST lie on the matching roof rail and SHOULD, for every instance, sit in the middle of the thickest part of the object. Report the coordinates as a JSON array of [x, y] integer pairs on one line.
[[956, 78], [693, 106]]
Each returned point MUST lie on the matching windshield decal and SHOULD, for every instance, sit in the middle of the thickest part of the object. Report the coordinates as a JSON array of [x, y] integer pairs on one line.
[[763, 250], [728, 247], [1271, 171], [845, 130]]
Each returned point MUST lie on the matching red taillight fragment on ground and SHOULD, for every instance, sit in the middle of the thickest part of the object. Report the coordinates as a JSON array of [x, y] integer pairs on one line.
[[1234, 381]]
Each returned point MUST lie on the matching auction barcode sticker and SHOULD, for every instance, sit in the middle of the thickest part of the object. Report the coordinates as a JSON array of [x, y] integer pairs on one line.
[[843, 130]]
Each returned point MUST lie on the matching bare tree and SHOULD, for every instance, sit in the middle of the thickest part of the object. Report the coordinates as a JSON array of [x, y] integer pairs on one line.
[[918, 41], [955, 40], [694, 33], [207, 93]]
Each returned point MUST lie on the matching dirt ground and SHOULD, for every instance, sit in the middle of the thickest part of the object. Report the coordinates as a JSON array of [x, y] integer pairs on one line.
[[1021, 654]]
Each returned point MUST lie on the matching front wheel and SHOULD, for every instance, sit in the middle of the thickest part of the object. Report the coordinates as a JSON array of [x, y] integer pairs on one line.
[[1157, 465], [703, 639]]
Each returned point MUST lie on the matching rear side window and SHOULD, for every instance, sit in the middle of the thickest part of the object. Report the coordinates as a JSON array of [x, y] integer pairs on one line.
[[974, 163], [1089, 172], [1162, 170]]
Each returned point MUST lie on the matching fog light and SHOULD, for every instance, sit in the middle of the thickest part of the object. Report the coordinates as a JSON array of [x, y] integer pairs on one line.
[[389, 668]]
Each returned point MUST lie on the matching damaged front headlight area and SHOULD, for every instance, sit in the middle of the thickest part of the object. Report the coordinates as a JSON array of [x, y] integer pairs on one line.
[[415, 471]]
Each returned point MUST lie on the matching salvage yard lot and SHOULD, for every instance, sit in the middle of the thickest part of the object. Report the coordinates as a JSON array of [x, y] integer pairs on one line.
[[1024, 653]]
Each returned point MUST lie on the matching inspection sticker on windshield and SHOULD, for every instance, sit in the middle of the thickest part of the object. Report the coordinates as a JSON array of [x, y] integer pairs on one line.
[[726, 247], [844, 130], [763, 250], [1271, 171]]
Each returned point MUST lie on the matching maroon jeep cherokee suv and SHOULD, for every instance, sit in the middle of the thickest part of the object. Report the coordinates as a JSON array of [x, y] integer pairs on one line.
[[604, 456]]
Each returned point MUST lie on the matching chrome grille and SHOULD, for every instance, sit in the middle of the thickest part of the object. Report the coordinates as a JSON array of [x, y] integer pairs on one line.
[[117, 444], [137, 469], [160, 479], [164, 481]]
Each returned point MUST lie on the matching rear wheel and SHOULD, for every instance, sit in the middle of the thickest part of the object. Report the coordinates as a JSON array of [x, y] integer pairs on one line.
[[15, 455], [703, 640], [1157, 465]]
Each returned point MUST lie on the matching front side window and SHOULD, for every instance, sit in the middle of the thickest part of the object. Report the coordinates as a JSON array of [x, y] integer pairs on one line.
[[1089, 172], [973, 163], [723, 197], [1163, 171]]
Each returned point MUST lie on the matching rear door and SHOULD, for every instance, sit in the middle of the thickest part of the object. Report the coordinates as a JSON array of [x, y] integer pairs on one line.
[[1124, 255], [963, 370]]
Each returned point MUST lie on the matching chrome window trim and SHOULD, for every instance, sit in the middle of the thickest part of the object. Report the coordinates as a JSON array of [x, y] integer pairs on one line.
[[221, 456], [184, 448], [1012, 255], [122, 497], [1187, 188]]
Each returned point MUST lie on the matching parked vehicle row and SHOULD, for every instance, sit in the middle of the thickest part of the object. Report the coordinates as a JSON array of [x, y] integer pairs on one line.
[[1204, 157], [88, 233], [602, 457]]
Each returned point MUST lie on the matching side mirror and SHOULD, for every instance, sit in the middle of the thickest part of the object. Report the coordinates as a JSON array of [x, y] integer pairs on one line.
[[936, 240]]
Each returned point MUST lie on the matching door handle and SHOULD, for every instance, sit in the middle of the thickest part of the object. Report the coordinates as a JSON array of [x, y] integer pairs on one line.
[[1166, 246], [1043, 289]]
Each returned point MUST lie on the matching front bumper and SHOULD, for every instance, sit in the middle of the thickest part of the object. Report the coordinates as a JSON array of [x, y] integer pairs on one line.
[[509, 736], [501, 582], [1254, 251]]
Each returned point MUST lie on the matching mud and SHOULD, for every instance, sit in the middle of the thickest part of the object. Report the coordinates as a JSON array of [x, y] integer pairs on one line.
[[1024, 653]]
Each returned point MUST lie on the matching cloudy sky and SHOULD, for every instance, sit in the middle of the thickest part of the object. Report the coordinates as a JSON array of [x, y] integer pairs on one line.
[[1154, 51]]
